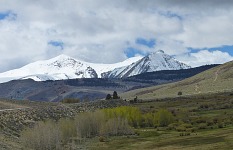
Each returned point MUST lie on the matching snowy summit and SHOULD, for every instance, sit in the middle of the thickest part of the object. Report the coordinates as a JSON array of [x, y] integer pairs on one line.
[[65, 67]]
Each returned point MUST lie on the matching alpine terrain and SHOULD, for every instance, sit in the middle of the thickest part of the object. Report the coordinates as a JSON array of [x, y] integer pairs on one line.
[[153, 62], [65, 67]]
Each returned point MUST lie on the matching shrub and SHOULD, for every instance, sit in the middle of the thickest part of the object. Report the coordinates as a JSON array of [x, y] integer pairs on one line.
[[89, 124], [148, 120], [101, 139], [210, 123], [185, 134], [179, 93], [67, 128], [202, 126], [108, 97], [173, 126], [115, 127], [164, 118], [180, 129], [44, 135], [184, 127], [132, 114], [70, 100], [220, 125]]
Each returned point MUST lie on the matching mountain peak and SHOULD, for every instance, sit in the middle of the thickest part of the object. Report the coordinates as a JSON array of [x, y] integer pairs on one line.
[[62, 67], [66, 67], [160, 51], [155, 61], [156, 54], [61, 57]]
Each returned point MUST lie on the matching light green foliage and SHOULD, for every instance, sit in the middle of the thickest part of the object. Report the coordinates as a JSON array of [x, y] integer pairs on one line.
[[149, 119], [132, 114], [163, 118], [137, 119]]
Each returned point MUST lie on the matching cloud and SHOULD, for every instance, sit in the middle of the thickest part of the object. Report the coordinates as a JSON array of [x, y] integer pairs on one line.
[[103, 30], [205, 57]]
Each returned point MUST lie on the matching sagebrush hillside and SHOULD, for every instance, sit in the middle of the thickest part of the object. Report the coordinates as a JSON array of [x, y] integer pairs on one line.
[[217, 79]]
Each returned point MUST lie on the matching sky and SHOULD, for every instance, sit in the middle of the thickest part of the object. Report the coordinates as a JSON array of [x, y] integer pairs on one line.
[[196, 32]]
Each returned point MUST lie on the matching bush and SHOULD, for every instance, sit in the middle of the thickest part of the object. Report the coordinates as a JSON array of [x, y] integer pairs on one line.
[[108, 97], [89, 124], [180, 129], [202, 126], [70, 100], [44, 135], [185, 134], [220, 125], [148, 119], [52, 135], [173, 126], [210, 123], [179, 93], [132, 114], [101, 139], [115, 127], [163, 118], [184, 127], [67, 128]]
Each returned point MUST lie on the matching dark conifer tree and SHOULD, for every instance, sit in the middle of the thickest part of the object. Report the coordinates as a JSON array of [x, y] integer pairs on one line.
[[115, 96], [108, 97]]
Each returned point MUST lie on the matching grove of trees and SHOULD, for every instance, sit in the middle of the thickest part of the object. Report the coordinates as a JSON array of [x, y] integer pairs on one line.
[[103, 123]]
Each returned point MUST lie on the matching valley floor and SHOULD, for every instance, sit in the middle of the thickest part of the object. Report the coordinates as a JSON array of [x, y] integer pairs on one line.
[[210, 118], [203, 123], [216, 139]]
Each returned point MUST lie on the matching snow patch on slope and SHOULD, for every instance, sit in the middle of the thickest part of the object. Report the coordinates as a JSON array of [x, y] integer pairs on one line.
[[61, 67], [153, 62]]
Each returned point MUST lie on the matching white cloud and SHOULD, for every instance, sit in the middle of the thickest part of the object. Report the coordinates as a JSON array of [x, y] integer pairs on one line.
[[205, 57], [100, 30]]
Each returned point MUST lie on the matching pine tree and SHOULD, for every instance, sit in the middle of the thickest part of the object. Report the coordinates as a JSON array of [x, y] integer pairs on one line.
[[115, 96], [108, 97]]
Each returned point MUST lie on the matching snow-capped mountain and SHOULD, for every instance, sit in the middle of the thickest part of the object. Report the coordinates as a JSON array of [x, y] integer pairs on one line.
[[61, 67], [153, 62], [65, 67]]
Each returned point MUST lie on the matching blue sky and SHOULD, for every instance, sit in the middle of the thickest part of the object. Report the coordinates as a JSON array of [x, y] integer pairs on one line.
[[110, 31], [3, 15], [57, 44], [131, 51], [7, 14], [226, 48]]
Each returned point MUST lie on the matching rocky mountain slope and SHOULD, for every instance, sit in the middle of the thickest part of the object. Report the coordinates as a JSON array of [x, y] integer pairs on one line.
[[65, 67], [59, 68], [153, 62]]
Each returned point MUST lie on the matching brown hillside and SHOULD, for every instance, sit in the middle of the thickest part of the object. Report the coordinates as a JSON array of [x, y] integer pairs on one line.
[[217, 79]]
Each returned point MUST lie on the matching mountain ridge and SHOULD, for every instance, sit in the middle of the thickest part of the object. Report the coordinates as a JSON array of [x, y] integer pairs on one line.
[[65, 67], [153, 62], [90, 88]]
